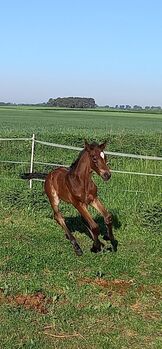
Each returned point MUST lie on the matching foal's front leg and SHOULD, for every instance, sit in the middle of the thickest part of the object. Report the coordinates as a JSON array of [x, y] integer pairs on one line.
[[96, 203], [92, 226]]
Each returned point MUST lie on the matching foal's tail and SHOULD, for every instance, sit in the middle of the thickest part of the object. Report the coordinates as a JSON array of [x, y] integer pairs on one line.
[[36, 175]]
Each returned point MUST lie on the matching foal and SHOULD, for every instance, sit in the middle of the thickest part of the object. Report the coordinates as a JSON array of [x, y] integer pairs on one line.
[[75, 186]]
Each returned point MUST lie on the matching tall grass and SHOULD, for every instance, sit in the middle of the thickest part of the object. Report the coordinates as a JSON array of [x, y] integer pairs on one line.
[[124, 192], [37, 259]]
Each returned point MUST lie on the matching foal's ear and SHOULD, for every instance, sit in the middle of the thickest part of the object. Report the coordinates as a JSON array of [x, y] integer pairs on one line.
[[103, 145], [86, 145]]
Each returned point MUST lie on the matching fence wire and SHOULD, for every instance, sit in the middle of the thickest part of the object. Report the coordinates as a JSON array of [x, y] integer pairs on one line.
[[118, 154]]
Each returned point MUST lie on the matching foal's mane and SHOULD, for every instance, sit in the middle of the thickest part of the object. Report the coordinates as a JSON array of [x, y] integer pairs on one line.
[[75, 163]]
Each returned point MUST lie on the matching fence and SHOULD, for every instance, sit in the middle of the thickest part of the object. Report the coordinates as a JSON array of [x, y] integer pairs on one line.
[[32, 162]]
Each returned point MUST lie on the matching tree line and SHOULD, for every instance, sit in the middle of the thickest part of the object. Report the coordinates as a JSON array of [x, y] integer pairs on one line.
[[72, 102], [85, 103], [134, 107]]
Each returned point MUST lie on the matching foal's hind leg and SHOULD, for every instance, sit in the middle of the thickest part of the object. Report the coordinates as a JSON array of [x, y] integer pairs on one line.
[[54, 201], [108, 221], [92, 226]]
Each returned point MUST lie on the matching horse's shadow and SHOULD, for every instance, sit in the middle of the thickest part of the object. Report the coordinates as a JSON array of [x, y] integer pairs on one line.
[[79, 224]]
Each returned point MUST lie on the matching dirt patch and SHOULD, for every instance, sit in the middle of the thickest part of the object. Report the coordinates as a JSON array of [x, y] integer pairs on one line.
[[146, 307], [38, 301], [137, 307], [145, 311], [2, 296], [118, 285], [129, 333], [155, 290]]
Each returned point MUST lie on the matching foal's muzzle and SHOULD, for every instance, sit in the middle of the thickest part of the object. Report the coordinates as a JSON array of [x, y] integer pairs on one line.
[[106, 176]]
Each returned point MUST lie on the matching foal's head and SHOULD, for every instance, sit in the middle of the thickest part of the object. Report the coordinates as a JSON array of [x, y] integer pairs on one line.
[[98, 159]]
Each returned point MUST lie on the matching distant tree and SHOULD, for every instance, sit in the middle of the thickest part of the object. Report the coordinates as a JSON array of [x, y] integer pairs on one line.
[[72, 102], [122, 106], [147, 107], [137, 107], [128, 106], [7, 104], [156, 107], [50, 101]]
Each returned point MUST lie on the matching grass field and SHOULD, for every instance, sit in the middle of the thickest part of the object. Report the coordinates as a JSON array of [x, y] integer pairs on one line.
[[49, 297]]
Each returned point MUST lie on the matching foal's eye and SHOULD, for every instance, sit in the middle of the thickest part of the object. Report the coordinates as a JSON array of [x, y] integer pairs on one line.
[[94, 158]]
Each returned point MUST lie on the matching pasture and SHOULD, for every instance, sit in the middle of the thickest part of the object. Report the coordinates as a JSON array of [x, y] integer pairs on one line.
[[49, 297]]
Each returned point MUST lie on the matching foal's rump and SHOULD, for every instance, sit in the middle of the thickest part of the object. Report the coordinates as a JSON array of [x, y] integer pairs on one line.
[[56, 182]]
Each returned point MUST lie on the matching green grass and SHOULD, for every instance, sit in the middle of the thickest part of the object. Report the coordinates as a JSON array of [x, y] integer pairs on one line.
[[102, 300]]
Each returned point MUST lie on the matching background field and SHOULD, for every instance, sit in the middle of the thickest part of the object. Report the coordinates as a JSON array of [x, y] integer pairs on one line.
[[105, 300]]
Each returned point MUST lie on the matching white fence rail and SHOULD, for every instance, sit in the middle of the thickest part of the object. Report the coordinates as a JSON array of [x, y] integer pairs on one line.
[[32, 158], [32, 162]]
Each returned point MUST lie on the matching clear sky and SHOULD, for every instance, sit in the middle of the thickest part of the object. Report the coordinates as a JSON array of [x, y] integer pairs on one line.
[[107, 49]]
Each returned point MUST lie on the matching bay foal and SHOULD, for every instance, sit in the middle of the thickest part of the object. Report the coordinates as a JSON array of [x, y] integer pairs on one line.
[[75, 186]]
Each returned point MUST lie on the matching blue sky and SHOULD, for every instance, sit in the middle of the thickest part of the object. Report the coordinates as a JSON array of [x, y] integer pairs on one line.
[[107, 49]]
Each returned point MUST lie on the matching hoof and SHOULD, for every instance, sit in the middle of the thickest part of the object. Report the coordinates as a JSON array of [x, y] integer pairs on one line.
[[106, 238], [95, 249], [114, 245], [78, 250]]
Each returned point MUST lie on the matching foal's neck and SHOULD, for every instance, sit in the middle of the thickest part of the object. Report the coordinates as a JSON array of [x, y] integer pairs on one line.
[[82, 169]]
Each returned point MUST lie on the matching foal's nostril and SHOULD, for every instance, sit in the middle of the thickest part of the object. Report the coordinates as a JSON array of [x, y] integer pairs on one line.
[[106, 176]]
